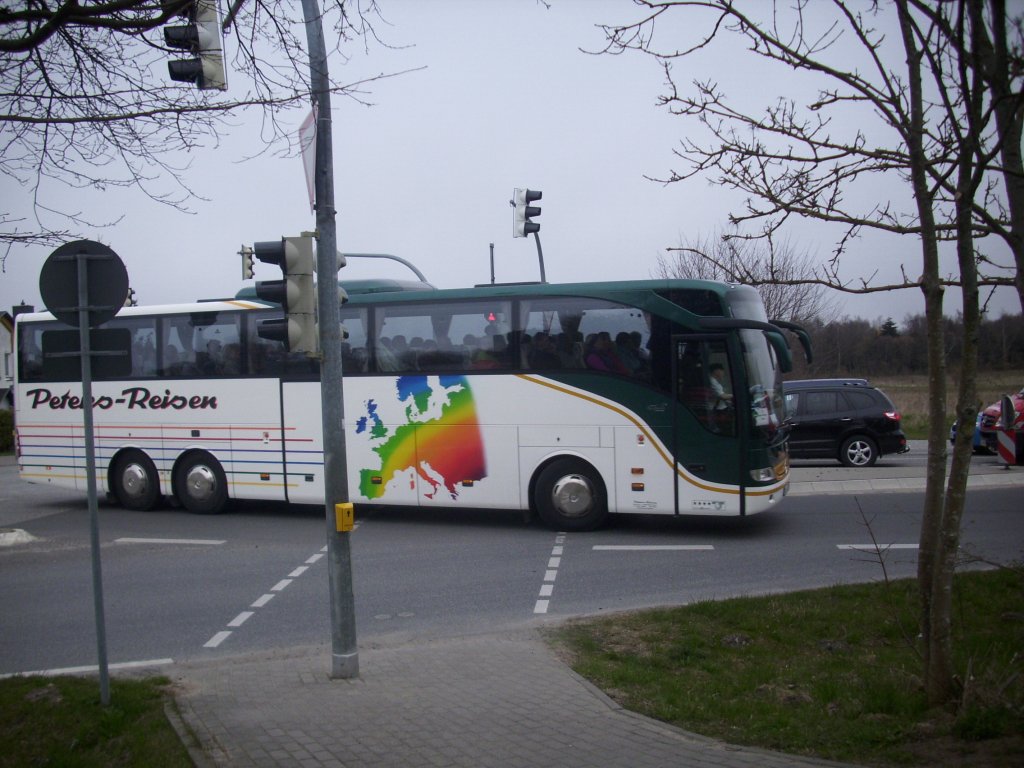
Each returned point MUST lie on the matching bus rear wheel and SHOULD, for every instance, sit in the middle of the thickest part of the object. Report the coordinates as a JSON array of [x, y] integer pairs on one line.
[[135, 481], [570, 496], [200, 484]]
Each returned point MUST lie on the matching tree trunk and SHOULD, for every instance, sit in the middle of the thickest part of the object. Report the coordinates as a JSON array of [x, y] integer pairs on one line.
[[931, 287]]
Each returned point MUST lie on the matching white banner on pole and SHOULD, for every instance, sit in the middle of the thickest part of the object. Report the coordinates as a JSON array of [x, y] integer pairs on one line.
[[307, 144]]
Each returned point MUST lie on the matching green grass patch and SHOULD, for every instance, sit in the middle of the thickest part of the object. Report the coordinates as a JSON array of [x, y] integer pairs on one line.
[[833, 673], [60, 722]]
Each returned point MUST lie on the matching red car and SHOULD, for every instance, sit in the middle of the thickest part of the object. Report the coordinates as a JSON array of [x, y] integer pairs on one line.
[[988, 423]]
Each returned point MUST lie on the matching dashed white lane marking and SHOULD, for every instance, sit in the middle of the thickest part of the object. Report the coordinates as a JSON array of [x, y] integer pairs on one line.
[[87, 669], [240, 619], [262, 600], [875, 547], [653, 547], [548, 587], [217, 639], [205, 542]]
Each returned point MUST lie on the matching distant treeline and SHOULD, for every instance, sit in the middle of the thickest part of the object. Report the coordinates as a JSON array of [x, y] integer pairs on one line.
[[856, 347]]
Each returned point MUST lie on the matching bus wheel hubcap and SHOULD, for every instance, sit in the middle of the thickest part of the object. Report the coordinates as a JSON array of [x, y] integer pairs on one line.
[[201, 483], [135, 481], [572, 496]]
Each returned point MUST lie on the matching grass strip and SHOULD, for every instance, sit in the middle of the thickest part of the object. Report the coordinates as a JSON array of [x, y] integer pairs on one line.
[[59, 721], [832, 673]]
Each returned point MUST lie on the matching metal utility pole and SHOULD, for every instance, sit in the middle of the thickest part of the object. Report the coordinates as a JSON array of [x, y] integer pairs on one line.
[[344, 654]]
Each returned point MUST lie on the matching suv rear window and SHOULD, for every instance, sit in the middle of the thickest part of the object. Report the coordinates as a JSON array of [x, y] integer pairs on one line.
[[860, 401], [819, 402]]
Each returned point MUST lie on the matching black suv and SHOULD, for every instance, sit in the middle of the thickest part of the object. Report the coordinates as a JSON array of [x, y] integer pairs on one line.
[[844, 419]]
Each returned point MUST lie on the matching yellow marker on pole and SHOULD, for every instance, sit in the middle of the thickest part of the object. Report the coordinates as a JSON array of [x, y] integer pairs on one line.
[[344, 516]]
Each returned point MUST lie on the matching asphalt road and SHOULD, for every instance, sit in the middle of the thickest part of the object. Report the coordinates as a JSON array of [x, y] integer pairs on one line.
[[180, 586]]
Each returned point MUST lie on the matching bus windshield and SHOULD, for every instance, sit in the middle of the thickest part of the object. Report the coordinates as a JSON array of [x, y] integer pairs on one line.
[[763, 373], [765, 385]]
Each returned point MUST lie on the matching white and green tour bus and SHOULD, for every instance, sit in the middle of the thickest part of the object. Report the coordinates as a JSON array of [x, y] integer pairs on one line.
[[574, 401]]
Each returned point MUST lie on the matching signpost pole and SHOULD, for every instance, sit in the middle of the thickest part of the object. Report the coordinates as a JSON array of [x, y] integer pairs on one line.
[[90, 474], [64, 284], [344, 652]]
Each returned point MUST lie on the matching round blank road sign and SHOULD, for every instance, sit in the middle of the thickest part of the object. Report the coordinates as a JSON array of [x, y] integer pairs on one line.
[[106, 282]]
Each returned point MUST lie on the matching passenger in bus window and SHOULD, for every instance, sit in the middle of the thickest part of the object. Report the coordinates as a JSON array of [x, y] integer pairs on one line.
[[542, 352], [387, 359], [602, 355], [628, 352], [570, 350], [232, 365], [172, 361], [722, 398], [493, 357]]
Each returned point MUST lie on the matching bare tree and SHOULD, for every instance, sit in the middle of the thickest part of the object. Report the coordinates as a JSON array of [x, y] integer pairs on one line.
[[86, 102], [775, 268], [904, 96]]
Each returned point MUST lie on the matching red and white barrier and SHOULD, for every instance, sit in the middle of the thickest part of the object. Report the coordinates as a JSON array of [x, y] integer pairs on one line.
[[1006, 440]]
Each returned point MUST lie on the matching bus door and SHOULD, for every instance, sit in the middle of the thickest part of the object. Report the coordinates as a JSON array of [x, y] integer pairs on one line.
[[705, 434]]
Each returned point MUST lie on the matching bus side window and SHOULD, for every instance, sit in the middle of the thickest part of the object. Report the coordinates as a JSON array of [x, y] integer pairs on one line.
[[400, 338], [264, 357], [354, 350], [30, 351], [586, 333], [143, 347]]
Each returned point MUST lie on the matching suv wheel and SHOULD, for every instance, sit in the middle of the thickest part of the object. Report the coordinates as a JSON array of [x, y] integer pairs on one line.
[[858, 451]]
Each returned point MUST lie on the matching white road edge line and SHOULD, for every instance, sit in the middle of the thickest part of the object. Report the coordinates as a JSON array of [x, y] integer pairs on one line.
[[89, 668], [653, 547], [207, 542], [876, 548]]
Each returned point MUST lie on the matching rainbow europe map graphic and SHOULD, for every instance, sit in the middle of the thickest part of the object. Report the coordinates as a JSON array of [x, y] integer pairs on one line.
[[439, 440]]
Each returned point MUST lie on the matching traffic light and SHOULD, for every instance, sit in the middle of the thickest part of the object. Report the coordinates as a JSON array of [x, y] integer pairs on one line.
[[246, 254], [295, 293], [202, 38], [521, 224]]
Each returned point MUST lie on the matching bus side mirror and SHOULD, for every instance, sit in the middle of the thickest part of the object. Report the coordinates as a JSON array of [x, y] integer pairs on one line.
[[778, 342], [801, 334]]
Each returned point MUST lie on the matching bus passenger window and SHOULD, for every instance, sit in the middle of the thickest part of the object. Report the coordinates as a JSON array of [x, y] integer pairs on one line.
[[587, 333], [355, 353]]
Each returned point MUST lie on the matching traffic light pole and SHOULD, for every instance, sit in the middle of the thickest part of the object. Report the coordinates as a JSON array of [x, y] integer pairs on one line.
[[344, 654], [540, 258]]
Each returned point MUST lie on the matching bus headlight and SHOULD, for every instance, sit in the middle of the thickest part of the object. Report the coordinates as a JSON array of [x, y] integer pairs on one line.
[[763, 475]]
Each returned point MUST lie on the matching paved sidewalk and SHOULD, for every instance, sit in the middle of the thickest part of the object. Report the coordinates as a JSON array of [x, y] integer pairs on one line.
[[1012, 477], [494, 700]]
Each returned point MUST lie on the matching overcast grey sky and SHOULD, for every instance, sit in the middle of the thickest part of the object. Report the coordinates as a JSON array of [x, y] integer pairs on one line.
[[505, 99]]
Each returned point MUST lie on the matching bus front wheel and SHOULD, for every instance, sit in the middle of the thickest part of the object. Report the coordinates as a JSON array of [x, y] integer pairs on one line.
[[200, 484], [570, 496], [135, 481]]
